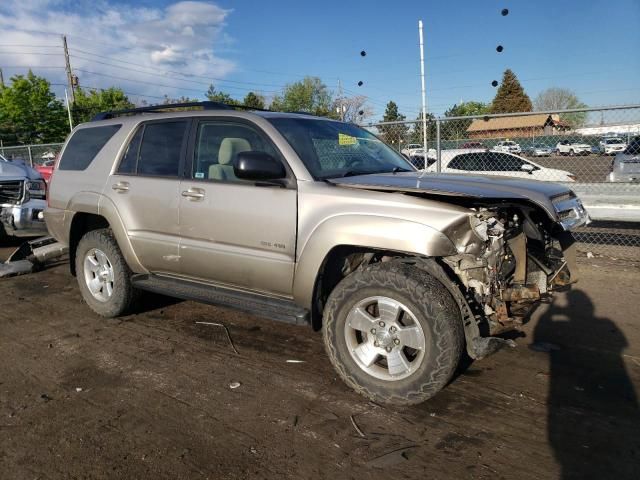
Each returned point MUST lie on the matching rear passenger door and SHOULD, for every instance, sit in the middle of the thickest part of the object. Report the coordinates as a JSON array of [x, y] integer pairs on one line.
[[145, 189], [236, 232]]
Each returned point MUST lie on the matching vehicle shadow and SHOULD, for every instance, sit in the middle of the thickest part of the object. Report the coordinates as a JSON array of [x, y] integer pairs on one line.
[[593, 418]]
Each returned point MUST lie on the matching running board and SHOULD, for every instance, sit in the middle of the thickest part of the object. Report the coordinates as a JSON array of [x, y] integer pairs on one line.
[[259, 305]]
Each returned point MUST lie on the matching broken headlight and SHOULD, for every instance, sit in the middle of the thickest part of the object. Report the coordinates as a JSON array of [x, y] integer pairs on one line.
[[36, 189]]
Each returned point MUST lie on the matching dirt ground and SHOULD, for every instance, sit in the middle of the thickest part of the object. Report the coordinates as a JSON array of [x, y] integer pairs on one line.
[[148, 395]]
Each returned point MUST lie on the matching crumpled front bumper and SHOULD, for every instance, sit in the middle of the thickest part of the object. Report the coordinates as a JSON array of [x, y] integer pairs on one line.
[[25, 220]]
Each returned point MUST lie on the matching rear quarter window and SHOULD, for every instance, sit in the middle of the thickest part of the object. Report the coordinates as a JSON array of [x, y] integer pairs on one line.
[[84, 145]]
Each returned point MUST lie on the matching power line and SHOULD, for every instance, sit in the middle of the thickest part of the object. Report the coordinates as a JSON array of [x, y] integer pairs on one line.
[[154, 84], [29, 53], [164, 72]]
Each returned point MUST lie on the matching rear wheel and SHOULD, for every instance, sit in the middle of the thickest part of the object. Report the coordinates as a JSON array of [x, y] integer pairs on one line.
[[393, 333], [103, 275]]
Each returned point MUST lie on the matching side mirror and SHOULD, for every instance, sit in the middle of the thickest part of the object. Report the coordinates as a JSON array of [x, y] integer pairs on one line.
[[527, 167], [257, 166]]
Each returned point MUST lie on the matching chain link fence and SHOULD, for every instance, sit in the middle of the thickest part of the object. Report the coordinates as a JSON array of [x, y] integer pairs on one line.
[[33, 155], [595, 151]]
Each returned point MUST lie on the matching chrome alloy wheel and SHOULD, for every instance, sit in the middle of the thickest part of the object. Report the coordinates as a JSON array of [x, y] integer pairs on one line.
[[384, 338], [98, 274]]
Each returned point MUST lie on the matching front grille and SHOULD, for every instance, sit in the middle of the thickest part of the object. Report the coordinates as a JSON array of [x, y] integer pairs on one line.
[[11, 191]]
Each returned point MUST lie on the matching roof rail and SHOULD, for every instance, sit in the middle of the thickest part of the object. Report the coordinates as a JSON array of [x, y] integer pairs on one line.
[[156, 108]]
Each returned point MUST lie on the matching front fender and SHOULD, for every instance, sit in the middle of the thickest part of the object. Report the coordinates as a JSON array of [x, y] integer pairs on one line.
[[369, 231]]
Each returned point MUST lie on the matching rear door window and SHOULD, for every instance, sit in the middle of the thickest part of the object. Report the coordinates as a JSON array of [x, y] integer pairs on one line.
[[84, 145], [156, 150]]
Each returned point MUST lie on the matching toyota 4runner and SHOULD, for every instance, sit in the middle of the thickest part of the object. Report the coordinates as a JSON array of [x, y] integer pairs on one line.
[[311, 221]]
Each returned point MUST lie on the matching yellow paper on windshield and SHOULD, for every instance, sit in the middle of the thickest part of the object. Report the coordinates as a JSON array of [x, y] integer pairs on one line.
[[346, 139]]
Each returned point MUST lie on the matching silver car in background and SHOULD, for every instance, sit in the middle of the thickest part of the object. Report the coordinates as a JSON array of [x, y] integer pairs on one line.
[[539, 150], [625, 167]]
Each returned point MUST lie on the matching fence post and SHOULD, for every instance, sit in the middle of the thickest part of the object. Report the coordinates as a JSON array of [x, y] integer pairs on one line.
[[438, 148], [30, 156]]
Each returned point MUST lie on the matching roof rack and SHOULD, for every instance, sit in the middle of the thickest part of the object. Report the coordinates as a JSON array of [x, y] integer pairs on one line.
[[171, 106]]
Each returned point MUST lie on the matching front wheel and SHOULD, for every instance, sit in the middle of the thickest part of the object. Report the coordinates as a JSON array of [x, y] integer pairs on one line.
[[393, 332], [103, 275]]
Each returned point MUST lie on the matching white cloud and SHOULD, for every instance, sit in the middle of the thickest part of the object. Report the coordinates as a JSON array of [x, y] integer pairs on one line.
[[184, 37]]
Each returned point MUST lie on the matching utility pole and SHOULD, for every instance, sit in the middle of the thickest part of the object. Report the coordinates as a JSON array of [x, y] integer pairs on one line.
[[340, 102], [1, 79], [68, 68], [424, 96], [66, 97]]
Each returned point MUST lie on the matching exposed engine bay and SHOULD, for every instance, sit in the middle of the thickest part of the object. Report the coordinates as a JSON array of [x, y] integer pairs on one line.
[[511, 258]]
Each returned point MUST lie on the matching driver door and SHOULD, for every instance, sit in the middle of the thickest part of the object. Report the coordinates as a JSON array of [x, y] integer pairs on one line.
[[235, 232]]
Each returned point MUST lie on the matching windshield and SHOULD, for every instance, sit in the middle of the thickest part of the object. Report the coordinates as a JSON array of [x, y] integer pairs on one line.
[[613, 140], [332, 149]]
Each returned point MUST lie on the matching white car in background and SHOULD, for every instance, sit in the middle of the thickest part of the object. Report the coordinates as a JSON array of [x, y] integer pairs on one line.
[[612, 145], [500, 164], [572, 147], [410, 149], [507, 146]]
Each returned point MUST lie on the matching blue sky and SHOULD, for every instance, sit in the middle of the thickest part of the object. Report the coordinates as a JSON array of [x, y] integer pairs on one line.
[[590, 46]]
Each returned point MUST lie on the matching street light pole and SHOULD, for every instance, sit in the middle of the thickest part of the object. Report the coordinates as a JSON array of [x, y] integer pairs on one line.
[[424, 95]]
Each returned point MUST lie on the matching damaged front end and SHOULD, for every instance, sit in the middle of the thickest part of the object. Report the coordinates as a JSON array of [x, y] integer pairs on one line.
[[511, 257]]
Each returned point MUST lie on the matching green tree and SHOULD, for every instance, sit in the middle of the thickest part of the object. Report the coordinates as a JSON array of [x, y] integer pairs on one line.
[[254, 100], [214, 95], [510, 96], [556, 99], [90, 102], [308, 95], [464, 109], [395, 134], [456, 129], [30, 112], [416, 132]]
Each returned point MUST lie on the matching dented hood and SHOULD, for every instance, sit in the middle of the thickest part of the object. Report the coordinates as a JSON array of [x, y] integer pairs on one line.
[[472, 186], [17, 171]]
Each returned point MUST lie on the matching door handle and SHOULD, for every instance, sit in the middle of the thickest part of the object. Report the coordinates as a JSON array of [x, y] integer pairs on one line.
[[121, 187], [193, 194]]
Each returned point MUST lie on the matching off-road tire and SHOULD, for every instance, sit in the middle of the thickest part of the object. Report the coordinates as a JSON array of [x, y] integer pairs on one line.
[[435, 309], [124, 295]]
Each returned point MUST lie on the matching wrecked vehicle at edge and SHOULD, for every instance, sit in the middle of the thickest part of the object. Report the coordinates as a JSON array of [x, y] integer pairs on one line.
[[22, 200]]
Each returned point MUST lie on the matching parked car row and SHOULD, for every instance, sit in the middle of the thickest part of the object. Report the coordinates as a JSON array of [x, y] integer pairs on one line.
[[607, 146]]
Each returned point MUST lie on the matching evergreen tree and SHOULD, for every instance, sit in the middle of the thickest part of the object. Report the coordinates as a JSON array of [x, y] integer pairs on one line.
[[394, 135], [214, 95], [510, 96], [253, 100]]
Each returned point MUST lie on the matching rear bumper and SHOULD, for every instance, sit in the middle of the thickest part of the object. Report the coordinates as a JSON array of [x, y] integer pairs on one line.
[[24, 220]]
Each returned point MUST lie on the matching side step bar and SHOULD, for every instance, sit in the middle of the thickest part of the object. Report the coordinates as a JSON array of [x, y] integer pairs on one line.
[[260, 305]]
